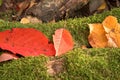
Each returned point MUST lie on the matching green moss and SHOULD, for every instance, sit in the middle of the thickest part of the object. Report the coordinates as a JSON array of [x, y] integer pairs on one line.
[[93, 64], [24, 69], [88, 64]]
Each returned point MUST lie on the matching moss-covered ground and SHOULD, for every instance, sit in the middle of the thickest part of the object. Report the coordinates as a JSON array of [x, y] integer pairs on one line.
[[79, 64]]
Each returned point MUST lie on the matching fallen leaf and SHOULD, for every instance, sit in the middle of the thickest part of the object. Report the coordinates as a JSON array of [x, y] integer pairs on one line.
[[112, 27], [33, 19], [102, 6], [109, 23], [7, 56], [117, 31], [30, 19], [24, 21], [97, 37], [110, 30], [26, 42], [84, 47], [115, 36], [111, 42], [97, 5], [117, 28], [55, 67], [62, 41]]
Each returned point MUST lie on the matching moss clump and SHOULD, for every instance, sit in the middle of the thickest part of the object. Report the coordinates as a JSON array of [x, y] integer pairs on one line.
[[31, 68], [93, 64], [89, 64]]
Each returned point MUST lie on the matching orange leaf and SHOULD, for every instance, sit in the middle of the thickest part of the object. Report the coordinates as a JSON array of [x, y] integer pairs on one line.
[[109, 23], [117, 28], [117, 31], [114, 35], [111, 42], [111, 31], [112, 27], [7, 56], [97, 36], [62, 41]]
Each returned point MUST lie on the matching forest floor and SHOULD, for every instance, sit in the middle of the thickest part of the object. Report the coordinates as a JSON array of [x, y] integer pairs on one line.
[[77, 64]]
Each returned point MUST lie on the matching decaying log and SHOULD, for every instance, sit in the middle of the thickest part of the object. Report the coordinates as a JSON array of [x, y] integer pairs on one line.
[[48, 10]]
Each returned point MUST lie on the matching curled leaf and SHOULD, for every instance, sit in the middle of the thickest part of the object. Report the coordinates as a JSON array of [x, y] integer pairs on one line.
[[106, 34]]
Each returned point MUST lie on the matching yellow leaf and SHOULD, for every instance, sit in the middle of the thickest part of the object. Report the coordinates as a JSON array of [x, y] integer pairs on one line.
[[24, 21], [103, 6]]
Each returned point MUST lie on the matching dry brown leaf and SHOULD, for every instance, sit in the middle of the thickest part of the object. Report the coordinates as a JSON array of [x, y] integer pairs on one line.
[[109, 23], [55, 67], [97, 36]]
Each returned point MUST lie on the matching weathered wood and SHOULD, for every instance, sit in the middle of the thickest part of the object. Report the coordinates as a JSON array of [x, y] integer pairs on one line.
[[48, 10]]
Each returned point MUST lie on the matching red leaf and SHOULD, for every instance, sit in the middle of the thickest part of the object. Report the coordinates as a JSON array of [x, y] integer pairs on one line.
[[26, 42], [7, 56], [62, 41]]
